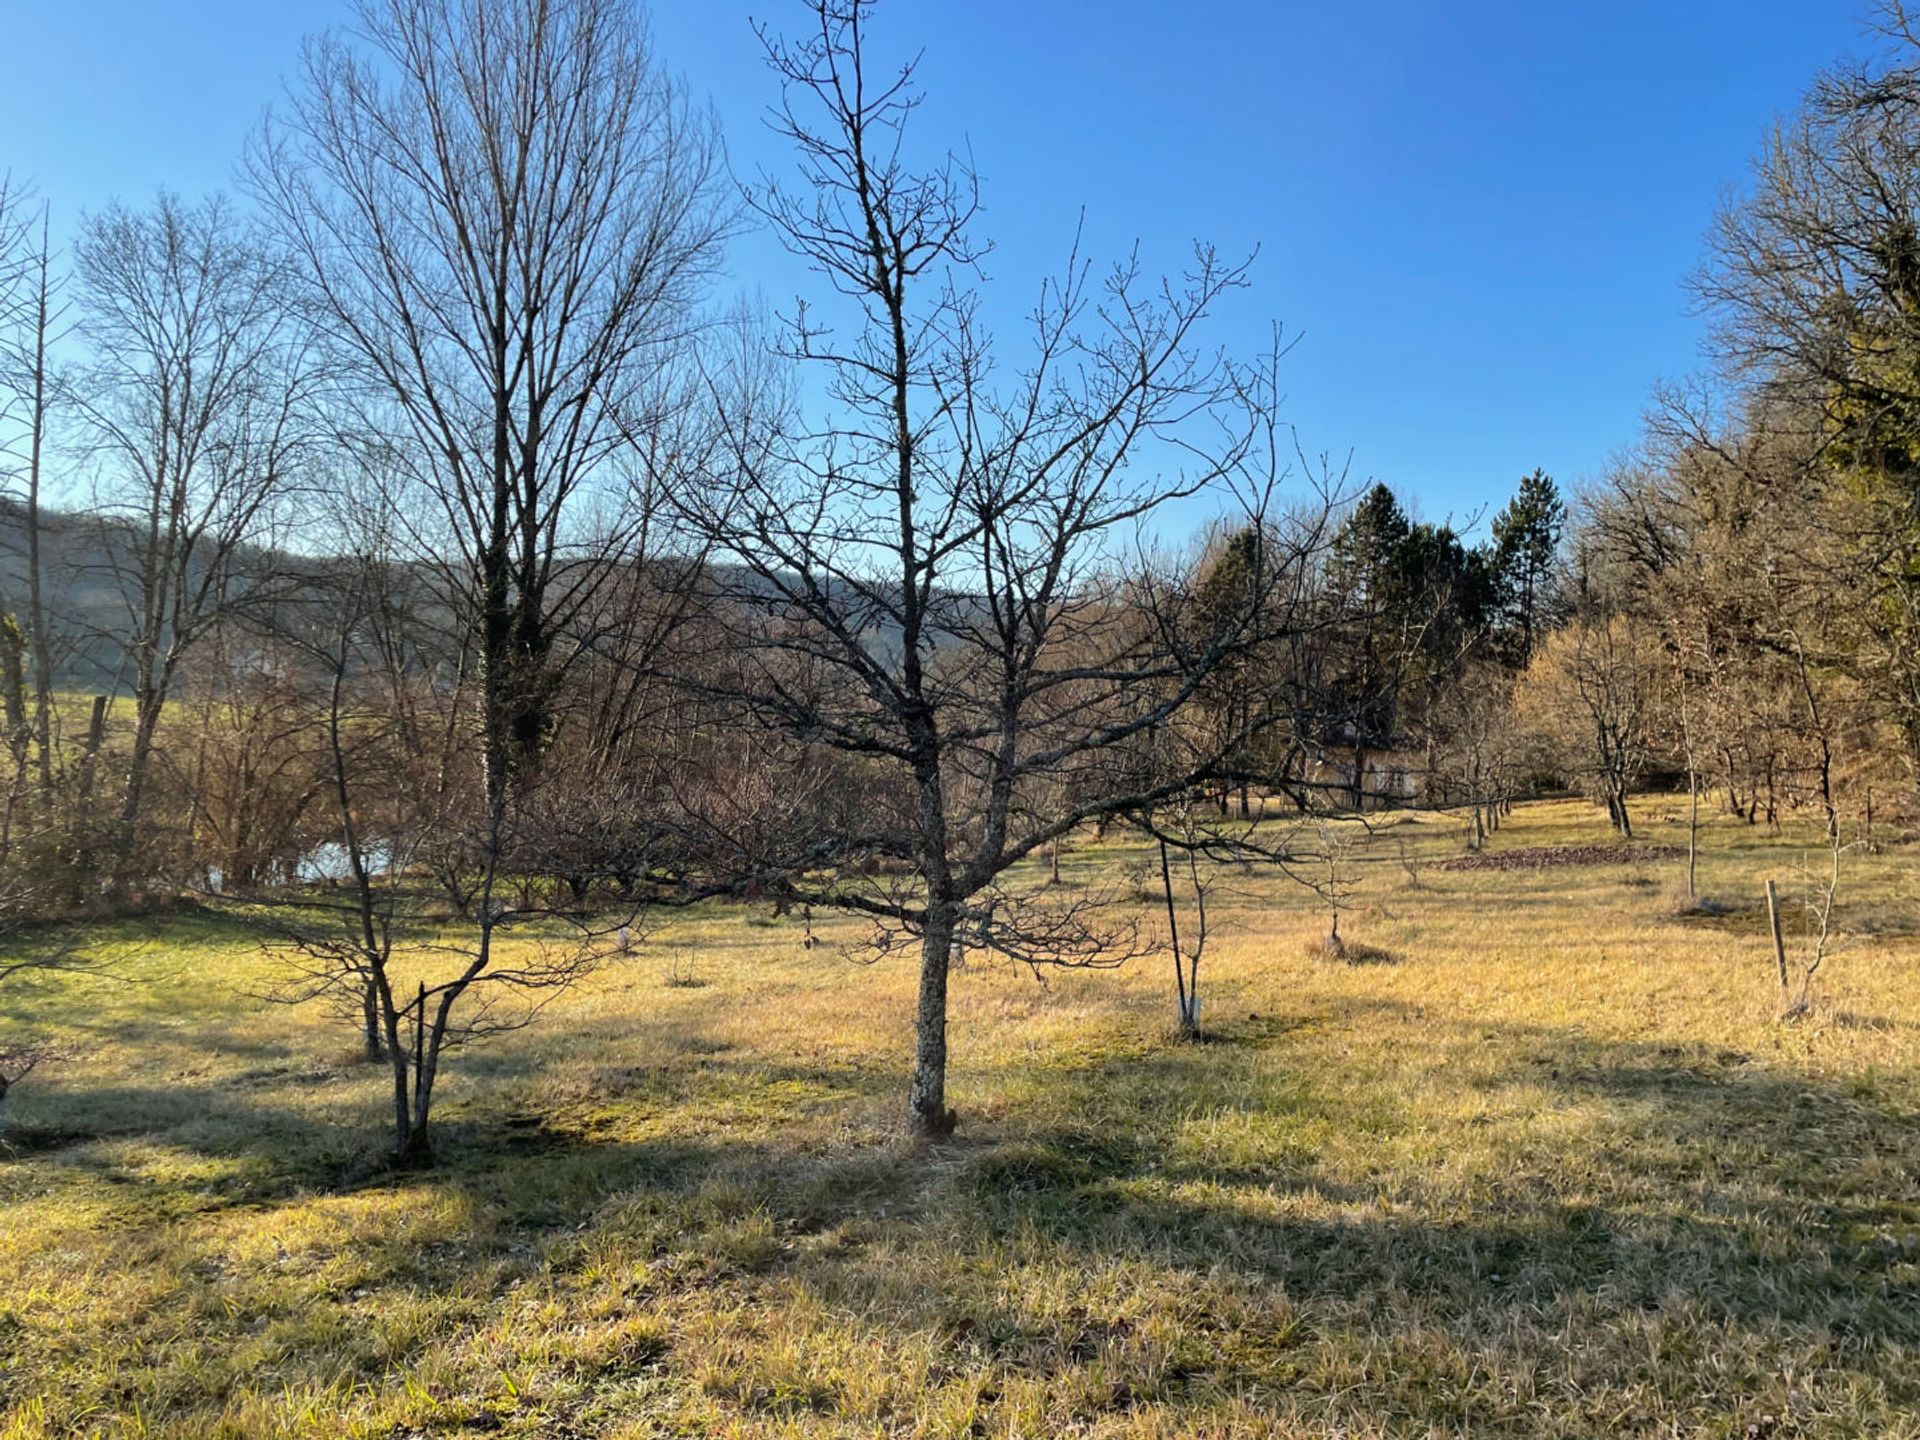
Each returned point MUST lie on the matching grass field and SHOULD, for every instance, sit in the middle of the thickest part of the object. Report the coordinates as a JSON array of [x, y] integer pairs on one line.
[[1548, 1166]]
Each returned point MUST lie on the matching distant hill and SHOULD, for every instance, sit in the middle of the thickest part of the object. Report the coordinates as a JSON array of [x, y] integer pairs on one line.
[[84, 604], [84, 555], [90, 616]]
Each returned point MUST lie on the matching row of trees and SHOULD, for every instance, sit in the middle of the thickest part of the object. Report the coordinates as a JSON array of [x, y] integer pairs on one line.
[[1737, 608], [1746, 584]]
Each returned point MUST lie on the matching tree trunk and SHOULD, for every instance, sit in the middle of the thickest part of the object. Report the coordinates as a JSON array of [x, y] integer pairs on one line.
[[412, 1089], [1779, 944], [13, 646], [1617, 809], [1693, 827], [370, 1019], [416, 1151], [1187, 1001], [146, 723], [83, 858], [928, 1115]]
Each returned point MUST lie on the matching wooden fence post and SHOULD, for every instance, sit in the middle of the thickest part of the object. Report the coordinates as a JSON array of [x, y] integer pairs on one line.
[[1779, 946]]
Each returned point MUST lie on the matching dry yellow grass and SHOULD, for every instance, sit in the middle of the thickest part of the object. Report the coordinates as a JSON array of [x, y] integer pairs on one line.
[[1552, 1167]]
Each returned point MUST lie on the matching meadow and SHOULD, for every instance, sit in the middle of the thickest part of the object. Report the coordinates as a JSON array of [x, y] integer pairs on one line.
[[1540, 1160]]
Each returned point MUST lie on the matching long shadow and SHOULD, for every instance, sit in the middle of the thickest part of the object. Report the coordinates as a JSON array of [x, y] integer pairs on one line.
[[1749, 1159], [1742, 1169], [1738, 1171], [529, 1161]]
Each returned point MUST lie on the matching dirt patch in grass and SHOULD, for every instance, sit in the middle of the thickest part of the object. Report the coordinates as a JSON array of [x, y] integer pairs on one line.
[[1724, 916], [1553, 857]]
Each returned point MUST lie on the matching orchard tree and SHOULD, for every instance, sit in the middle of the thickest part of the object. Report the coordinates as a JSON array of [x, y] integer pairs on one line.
[[415, 984], [1591, 693], [935, 581]]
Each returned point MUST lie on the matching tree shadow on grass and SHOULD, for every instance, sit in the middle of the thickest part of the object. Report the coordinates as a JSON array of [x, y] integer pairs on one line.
[[292, 1127], [1737, 1167], [1741, 1198]]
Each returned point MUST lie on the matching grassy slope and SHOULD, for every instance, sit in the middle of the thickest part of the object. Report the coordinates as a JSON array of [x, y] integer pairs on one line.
[[1552, 1171]]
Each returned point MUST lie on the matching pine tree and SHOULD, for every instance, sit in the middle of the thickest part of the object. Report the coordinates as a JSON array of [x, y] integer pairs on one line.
[[1526, 541]]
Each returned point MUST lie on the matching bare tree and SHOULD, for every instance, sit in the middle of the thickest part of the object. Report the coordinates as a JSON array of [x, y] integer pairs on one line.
[[1205, 849], [252, 778], [1683, 683], [416, 980], [32, 318], [15, 267], [929, 582], [1820, 934], [1813, 284], [1187, 958], [506, 212], [1332, 879], [1474, 752], [16, 204], [194, 396], [1590, 690]]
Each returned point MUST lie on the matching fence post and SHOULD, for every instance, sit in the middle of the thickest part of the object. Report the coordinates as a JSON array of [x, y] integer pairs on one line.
[[1779, 946]]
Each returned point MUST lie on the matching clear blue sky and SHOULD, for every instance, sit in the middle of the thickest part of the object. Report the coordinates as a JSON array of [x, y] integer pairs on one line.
[[1477, 212]]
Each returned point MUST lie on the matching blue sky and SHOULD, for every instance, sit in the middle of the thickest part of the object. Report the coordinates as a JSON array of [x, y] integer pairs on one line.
[[1477, 214]]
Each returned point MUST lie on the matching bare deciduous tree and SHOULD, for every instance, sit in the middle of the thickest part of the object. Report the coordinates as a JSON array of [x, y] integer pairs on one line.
[[1591, 688], [931, 582], [1822, 895], [1813, 284], [1332, 879], [194, 395], [506, 213], [32, 319], [416, 980]]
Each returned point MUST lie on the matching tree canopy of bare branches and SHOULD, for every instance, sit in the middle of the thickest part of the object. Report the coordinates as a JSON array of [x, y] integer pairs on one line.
[[932, 580], [506, 214], [195, 397]]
